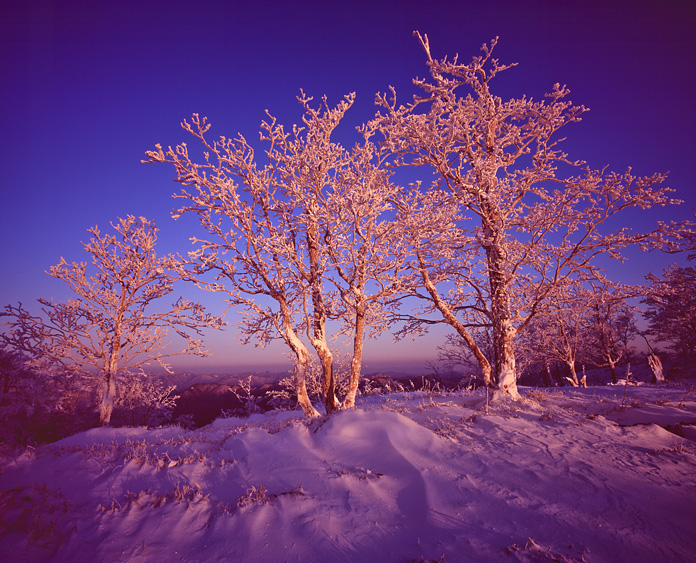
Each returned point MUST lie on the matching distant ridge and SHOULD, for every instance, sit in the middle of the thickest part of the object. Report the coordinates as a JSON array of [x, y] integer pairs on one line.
[[184, 380]]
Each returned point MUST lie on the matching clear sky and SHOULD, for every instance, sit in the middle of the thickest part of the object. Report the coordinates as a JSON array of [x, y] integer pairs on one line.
[[88, 87]]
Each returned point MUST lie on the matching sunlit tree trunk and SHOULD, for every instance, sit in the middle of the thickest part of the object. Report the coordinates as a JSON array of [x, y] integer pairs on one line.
[[300, 381], [574, 381], [505, 371], [356, 361], [301, 360], [505, 374], [318, 334], [570, 356], [107, 401], [110, 374], [656, 367], [605, 341]]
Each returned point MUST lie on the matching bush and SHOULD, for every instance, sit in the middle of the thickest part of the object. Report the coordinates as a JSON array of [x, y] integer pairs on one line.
[[141, 401]]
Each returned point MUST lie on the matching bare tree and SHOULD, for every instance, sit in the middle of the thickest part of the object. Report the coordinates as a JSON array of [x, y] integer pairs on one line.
[[537, 217], [117, 322]]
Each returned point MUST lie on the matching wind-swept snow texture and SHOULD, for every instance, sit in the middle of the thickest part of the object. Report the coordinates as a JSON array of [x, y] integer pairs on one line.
[[569, 475]]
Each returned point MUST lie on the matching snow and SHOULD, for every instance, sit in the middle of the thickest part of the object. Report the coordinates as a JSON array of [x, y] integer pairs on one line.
[[566, 475]]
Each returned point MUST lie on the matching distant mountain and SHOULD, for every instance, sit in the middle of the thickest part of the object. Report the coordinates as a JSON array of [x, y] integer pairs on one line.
[[184, 380]]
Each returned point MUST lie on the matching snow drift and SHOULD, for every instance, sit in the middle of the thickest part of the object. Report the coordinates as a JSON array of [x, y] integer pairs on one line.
[[406, 477]]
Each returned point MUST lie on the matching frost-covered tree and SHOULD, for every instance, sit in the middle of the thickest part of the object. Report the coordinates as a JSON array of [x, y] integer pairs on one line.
[[671, 309], [366, 249], [295, 240], [244, 254], [612, 326], [456, 355], [564, 333], [144, 401], [309, 167], [534, 217], [118, 321], [263, 249]]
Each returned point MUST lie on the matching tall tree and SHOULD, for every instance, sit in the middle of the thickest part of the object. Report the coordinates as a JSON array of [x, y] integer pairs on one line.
[[117, 322], [538, 218]]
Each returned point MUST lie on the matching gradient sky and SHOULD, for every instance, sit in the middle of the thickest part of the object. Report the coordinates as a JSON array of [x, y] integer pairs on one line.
[[88, 87]]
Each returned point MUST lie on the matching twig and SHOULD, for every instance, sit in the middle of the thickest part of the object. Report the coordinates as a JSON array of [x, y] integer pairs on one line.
[[685, 396]]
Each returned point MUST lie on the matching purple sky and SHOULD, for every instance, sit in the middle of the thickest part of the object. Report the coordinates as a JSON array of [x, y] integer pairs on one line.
[[88, 87]]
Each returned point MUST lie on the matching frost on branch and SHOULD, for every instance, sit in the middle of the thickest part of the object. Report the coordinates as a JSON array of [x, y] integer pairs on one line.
[[118, 322]]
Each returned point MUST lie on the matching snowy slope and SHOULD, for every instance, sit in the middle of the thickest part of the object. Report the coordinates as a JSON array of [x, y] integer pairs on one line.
[[568, 476]]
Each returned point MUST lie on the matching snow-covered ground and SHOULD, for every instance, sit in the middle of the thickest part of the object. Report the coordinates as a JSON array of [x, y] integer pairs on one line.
[[570, 475]]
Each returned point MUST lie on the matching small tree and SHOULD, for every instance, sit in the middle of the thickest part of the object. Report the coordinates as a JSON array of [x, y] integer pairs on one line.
[[258, 252], [612, 325], [454, 354], [117, 322], [144, 401], [366, 249], [671, 309], [568, 329]]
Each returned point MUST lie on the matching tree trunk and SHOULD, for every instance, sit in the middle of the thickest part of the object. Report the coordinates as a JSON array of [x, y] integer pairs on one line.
[[301, 360], [328, 384], [548, 378], [300, 373], [356, 361], [605, 341], [505, 374], [612, 369], [107, 402], [109, 394], [573, 374], [656, 367], [318, 336]]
